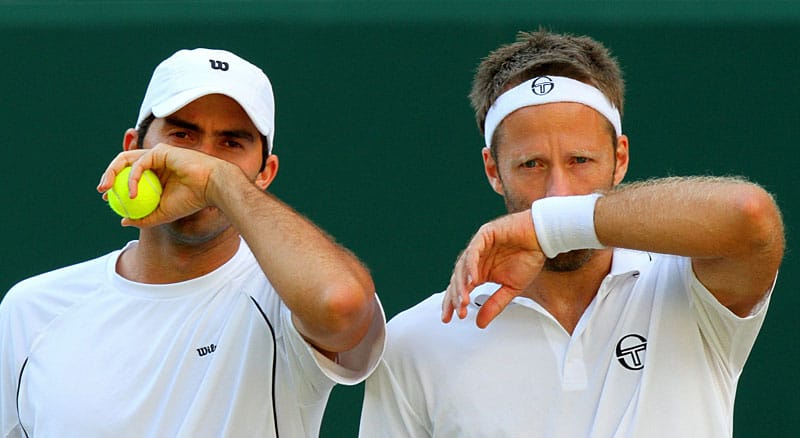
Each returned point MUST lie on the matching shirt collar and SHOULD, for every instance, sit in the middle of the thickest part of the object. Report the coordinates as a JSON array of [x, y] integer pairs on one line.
[[628, 261], [623, 263]]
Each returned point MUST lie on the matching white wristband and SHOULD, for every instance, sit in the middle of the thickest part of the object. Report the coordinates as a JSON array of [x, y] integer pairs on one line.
[[565, 223]]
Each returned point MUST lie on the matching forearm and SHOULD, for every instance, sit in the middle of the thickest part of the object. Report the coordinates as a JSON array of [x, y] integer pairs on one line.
[[694, 217], [330, 293]]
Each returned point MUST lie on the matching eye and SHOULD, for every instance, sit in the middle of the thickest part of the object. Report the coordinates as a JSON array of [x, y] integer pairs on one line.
[[233, 144], [180, 134], [530, 164], [581, 160]]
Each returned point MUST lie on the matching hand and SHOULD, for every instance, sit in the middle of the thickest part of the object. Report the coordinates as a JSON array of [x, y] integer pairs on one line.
[[184, 175], [503, 251]]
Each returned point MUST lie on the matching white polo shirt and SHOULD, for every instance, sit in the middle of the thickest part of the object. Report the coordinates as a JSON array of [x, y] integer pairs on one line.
[[88, 353], [654, 355]]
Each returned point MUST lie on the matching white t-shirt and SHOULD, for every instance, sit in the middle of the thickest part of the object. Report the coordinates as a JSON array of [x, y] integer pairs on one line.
[[88, 353], [654, 355]]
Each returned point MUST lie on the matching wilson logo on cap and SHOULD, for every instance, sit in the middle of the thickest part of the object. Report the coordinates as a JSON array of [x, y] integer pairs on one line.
[[218, 65]]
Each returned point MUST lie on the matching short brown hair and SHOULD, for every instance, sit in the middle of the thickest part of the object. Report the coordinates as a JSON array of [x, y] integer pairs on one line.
[[545, 53]]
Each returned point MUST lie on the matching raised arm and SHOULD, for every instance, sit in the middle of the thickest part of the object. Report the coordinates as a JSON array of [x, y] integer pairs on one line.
[[731, 228], [330, 293]]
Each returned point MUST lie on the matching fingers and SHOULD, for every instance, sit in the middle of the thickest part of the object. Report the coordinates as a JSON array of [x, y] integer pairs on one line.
[[452, 298], [493, 306], [463, 280], [145, 222], [503, 251], [447, 309], [121, 161], [456, 300], [139, 160]]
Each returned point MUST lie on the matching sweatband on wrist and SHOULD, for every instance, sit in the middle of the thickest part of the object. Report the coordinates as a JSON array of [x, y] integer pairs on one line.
[[565, 223], [548, 89]]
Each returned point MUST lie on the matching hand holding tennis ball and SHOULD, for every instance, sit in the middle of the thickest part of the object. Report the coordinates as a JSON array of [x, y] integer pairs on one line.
[[146, 200]]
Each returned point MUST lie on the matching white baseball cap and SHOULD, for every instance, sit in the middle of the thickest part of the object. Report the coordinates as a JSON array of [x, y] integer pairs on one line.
[[190, 74]]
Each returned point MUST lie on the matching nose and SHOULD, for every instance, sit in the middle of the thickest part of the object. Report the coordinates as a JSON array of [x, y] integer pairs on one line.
[[559, 183], [205, 145]]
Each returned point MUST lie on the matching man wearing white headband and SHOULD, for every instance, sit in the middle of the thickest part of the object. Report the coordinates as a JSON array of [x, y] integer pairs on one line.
[[593, 309], [231, 316]]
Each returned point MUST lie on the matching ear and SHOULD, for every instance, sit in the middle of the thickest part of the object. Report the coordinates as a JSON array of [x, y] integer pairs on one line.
[[492, 174], [131, 140], [266, 176], [622, 158]]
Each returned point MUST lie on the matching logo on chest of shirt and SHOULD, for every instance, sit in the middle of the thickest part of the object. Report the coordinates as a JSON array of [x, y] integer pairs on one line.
[[630, 351], [208, 349]]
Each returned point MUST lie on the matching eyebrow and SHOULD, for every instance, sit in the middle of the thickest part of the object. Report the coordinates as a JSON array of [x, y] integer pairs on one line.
[[180, 123], [231, 133]]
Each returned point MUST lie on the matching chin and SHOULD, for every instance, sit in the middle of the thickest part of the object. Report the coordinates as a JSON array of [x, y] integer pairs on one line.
[[569, 261], [198, 228]]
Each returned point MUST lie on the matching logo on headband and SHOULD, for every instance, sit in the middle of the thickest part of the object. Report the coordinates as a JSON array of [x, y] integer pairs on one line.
[[542, 85]]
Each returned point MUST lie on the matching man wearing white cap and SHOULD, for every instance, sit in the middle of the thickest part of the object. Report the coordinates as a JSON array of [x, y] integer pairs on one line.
[[232, 315], [593, 309]]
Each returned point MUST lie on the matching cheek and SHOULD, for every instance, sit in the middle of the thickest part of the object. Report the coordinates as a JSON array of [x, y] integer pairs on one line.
[[600, 174], [521, 192], [251, 165], [516, 204]]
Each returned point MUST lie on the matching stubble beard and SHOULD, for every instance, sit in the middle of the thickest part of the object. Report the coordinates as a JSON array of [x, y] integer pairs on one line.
[[570, 261], [198, 228]]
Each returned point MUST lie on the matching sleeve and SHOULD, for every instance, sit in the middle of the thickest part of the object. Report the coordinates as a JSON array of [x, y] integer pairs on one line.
[[351, 367], [731, 336], [313, 376], [386, 412], [11, 360]]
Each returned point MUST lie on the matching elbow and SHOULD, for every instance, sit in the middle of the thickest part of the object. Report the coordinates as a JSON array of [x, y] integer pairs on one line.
[[349, 310], [761, 226]]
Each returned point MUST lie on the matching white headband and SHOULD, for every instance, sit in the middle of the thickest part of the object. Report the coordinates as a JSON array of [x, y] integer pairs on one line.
[[548, 89]]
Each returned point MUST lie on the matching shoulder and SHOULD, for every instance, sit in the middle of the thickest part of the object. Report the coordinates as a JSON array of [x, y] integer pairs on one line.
[[48, 294], [419, 332], [425, 318], [405, 330], [422, 318]]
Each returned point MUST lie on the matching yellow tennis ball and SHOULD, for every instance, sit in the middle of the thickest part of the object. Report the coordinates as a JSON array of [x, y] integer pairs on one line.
[[146, 199]]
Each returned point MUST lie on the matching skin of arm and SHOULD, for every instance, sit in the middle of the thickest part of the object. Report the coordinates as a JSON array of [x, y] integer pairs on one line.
[[330, 293], [732, 229]]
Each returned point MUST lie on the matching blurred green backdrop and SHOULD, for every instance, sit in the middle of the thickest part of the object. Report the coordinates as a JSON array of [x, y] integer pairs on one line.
[[376, 138]]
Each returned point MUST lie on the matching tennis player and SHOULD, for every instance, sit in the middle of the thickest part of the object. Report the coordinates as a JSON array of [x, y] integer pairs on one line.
[[231, 316], [594, 308]]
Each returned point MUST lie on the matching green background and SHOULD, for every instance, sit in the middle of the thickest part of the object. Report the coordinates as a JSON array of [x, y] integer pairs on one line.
[[376, 138]]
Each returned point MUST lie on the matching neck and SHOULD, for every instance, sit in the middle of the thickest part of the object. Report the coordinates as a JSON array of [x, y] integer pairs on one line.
[[566, 295], [158, 259]]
